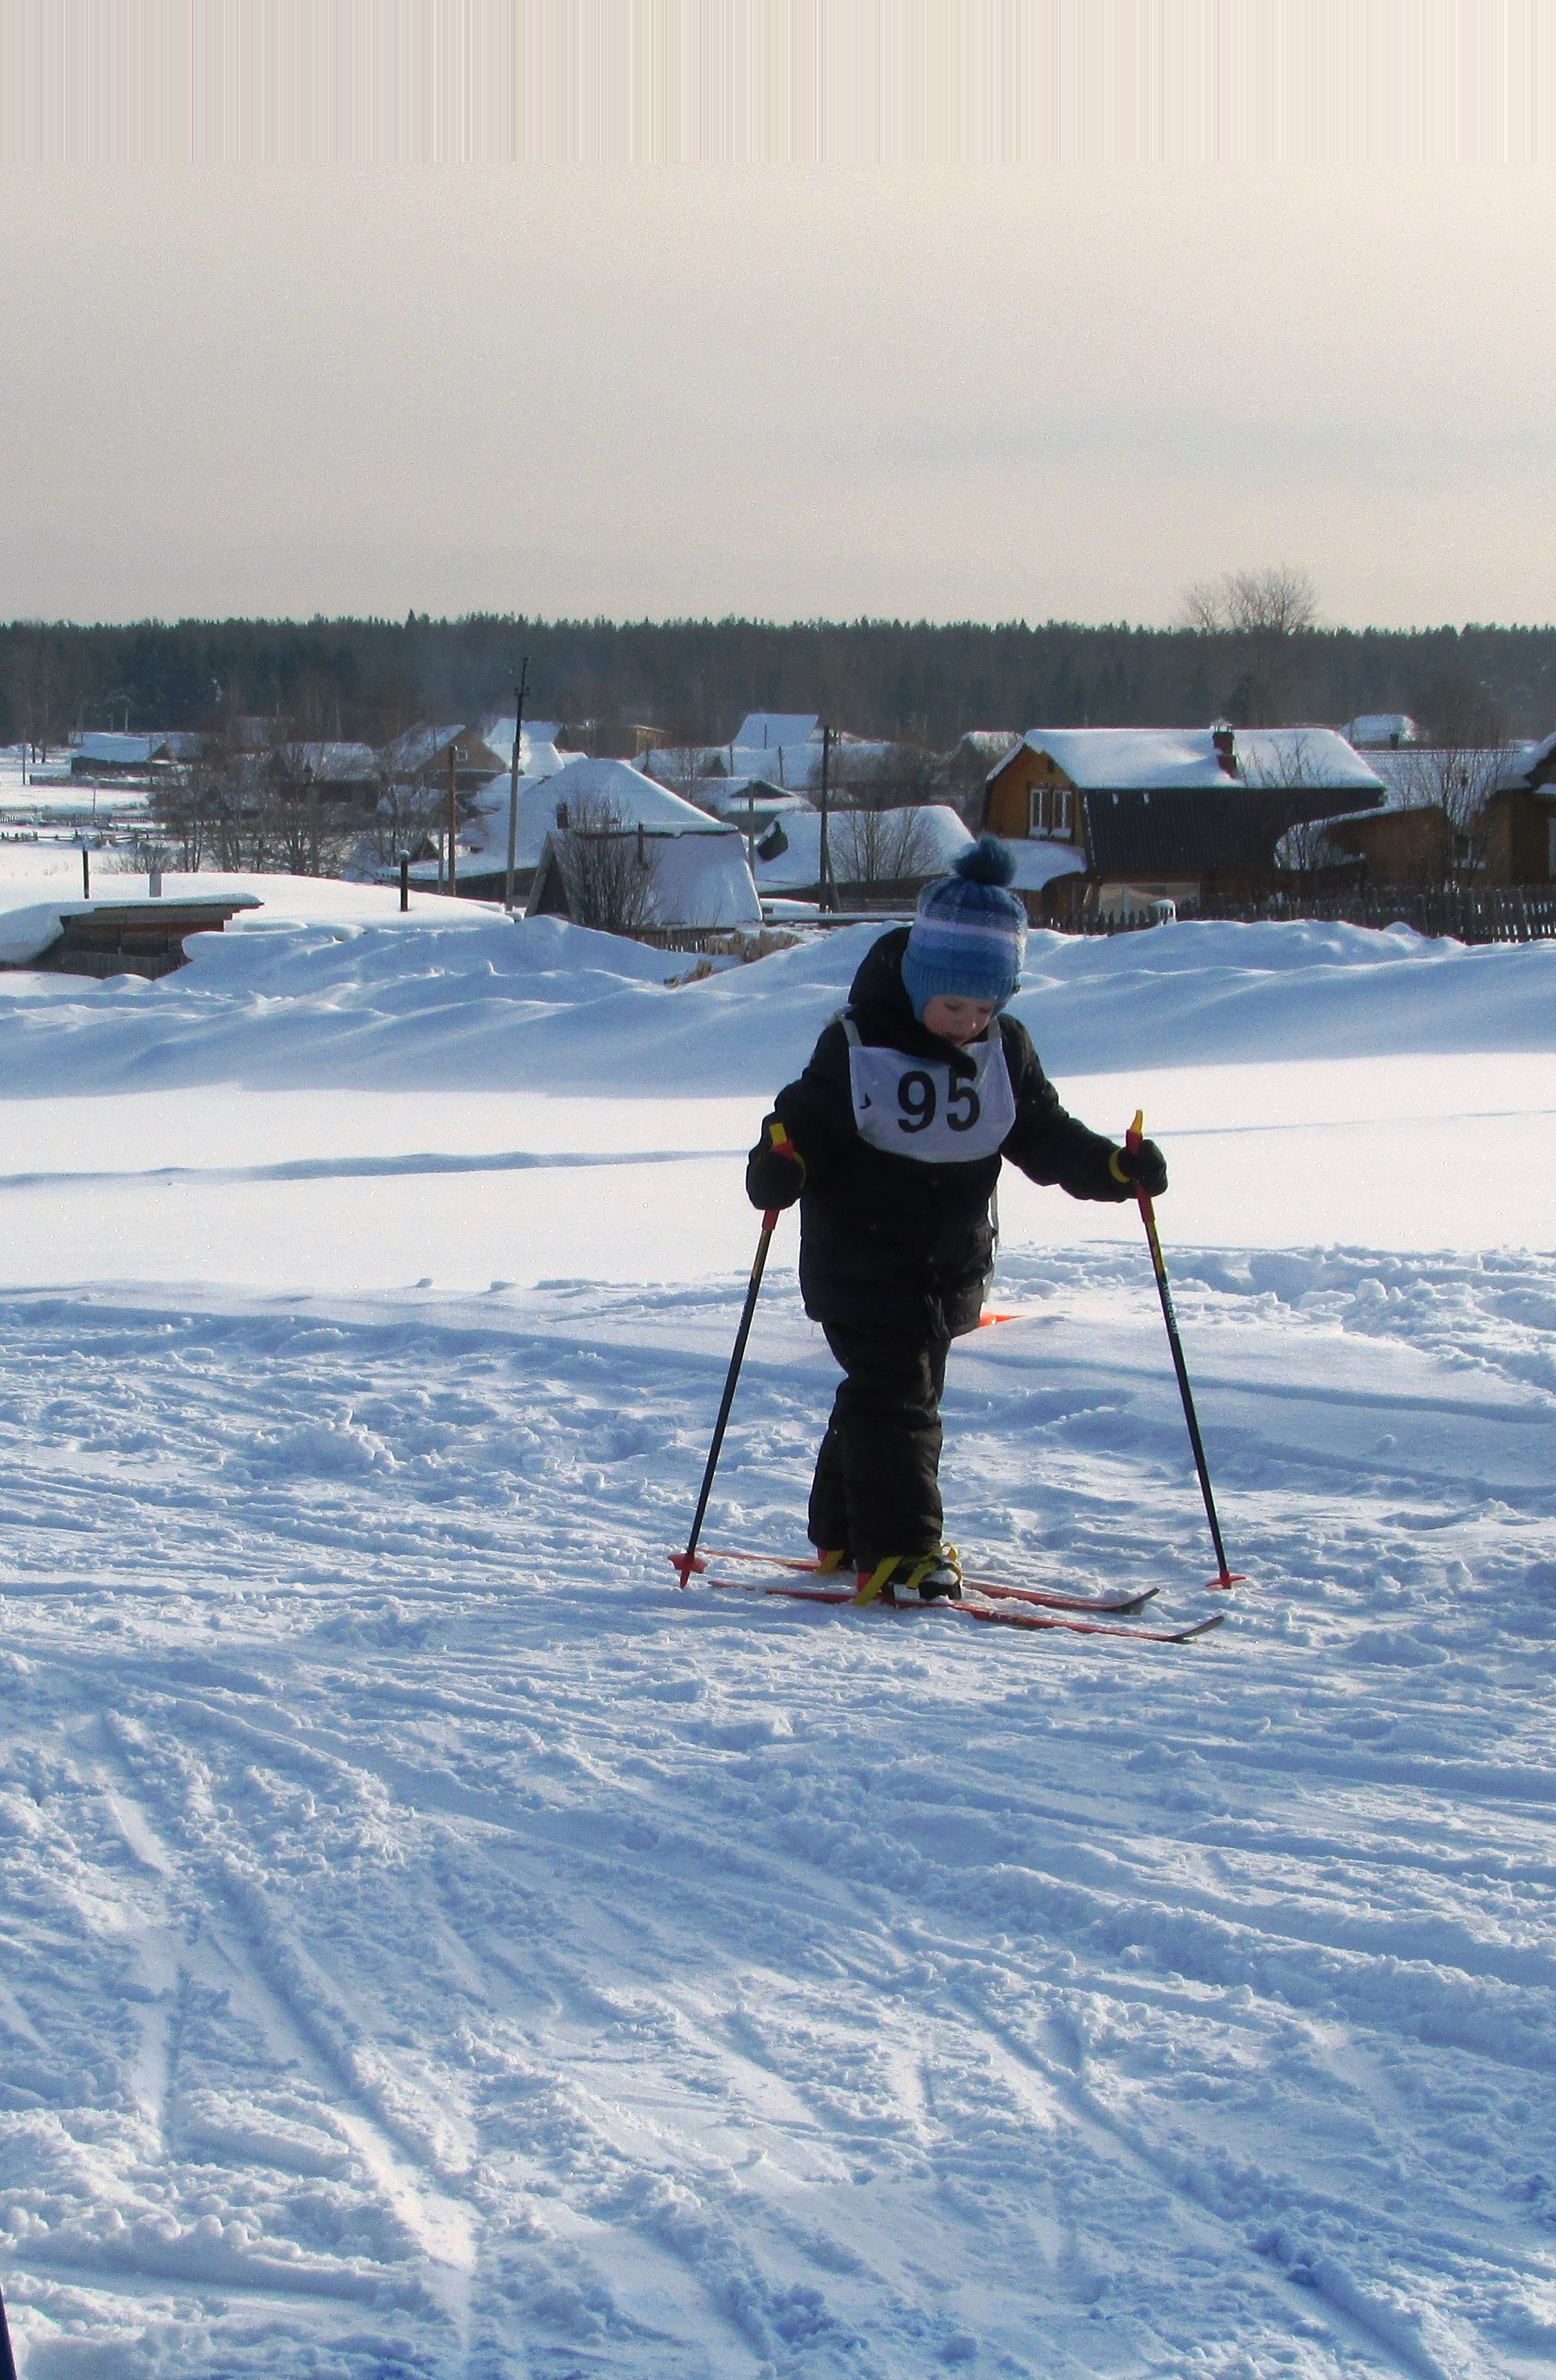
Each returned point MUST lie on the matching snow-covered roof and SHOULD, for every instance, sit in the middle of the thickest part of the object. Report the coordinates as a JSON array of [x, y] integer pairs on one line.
[[798, 767], [1417, 775], [589, 789], [735, 797], [1381, 730], [863, 846], [120, 751], [337, 763], [1152, 759], [539, 733], [760, 728], [1521, 763], [27, 932], [700, 879], [1039, 862], [418, 745]]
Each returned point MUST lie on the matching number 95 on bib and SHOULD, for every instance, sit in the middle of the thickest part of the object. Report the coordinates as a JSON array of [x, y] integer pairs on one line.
[[916, 1107]]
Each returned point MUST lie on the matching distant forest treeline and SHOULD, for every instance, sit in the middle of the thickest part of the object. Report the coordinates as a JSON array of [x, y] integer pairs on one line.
[[694, 680]]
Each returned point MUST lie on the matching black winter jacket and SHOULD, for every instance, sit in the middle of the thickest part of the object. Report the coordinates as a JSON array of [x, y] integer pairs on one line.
[[890, 1242]]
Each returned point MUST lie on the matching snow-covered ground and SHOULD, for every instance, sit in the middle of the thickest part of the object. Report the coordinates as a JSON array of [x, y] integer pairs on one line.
[[435, 1945]]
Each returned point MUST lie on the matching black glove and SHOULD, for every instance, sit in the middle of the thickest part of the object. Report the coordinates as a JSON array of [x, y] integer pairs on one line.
[[775, 1169], [1144, 1168]]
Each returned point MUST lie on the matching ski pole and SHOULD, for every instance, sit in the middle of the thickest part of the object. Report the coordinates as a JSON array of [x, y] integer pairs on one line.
[[1224, 1577], [7, 2362], [686, 1563]]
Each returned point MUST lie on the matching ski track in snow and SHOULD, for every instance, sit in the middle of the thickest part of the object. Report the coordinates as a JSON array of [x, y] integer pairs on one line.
[[437, 1945]]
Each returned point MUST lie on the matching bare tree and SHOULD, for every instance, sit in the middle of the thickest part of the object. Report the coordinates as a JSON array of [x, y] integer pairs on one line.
[[1452, 781], [407, 817], [607, 868], [881, 846], [1280, 600], [37, 689], [184, 807], [1262, 615], [680, 764], [892, 776]]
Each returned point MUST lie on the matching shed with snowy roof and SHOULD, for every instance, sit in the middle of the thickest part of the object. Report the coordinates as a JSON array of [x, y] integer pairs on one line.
[[1182, 814], [879, 858], [121, 756], [577, 794], [650, 882], [1384, 730]]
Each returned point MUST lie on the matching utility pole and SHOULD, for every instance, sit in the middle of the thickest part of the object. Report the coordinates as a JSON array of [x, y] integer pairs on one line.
[[519, 692], [453, 815], [828, 887]]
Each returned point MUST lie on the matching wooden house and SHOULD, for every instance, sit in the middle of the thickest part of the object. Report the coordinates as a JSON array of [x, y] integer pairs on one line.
[[1134, 816], [341, 774], [1481, 815], [1518, 827], [420, 757]]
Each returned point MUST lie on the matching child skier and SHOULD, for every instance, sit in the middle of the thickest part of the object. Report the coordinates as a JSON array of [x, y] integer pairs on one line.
[[892, 1140]]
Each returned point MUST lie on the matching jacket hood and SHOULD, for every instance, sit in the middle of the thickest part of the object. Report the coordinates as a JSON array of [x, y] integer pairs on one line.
[[877, 982]]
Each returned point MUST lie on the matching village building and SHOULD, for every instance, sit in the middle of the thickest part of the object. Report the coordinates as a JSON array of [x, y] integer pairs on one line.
[[1482, 815], [137, 936], [106, 756], [879, 859], [1384, 730], [1518, 829], [1421, 833], [559, 794], [778, 747], [685, 880], [1124, 820], [419, 758], [337, 773]]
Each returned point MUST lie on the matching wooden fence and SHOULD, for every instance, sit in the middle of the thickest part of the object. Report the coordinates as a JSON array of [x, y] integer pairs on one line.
[[1519, 913]]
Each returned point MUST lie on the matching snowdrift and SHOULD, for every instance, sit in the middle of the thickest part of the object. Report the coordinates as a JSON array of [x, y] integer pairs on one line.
[[399, 1002]]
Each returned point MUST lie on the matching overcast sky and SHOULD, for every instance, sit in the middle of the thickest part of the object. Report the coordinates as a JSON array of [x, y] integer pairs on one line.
[[981, 392]]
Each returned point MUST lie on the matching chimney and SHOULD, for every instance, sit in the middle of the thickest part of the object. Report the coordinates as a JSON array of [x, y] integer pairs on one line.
[[562, 816], [1225, 743]]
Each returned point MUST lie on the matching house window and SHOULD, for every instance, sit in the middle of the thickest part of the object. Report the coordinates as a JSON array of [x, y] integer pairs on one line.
[[1551, 849], [1050, 814]]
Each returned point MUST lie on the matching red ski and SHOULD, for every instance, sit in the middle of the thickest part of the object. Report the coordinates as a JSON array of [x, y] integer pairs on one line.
[[993, 1614], [1000, 1590]]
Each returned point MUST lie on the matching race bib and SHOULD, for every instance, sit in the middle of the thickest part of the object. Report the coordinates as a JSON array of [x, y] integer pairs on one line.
[[916, 1107]]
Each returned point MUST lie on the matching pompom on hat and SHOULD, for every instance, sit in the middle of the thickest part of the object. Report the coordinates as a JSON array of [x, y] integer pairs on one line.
[[969, 937]]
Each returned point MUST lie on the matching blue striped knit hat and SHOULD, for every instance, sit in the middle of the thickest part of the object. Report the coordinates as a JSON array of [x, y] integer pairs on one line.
[[969, 937]]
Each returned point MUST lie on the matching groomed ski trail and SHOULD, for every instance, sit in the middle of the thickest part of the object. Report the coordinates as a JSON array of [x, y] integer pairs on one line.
[[440, 1946]]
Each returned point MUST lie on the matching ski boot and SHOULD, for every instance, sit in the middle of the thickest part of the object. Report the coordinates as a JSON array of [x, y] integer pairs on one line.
[[906, 1578]]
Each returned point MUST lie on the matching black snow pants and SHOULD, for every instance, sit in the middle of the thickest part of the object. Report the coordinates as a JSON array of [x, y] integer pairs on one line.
[[877, 1484]]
